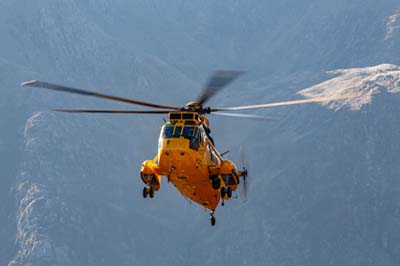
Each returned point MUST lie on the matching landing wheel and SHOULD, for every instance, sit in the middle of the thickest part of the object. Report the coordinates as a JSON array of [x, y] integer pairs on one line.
[[213, 221], [212, 218], [223, 192], [229, 192], [151, 192], [145, 192]]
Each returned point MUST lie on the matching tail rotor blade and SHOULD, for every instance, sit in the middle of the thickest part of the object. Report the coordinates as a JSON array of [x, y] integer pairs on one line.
[[244, 191], [244, 173]]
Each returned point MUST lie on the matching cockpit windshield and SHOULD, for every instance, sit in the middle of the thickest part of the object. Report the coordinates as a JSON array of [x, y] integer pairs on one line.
[[188, 132], [177, 132]]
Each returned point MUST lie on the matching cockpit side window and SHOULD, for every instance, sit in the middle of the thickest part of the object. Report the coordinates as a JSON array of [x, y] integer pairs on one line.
[[195, 134], [168, 132], [195, 140]]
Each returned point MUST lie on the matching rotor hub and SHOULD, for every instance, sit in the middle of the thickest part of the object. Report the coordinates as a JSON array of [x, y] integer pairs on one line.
[[194, 107]]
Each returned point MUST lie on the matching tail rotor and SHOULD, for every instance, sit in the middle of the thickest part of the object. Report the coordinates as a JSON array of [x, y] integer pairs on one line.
[[243, 174]]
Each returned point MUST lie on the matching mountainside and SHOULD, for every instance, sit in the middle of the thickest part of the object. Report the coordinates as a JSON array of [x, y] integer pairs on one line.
[[324, 181]]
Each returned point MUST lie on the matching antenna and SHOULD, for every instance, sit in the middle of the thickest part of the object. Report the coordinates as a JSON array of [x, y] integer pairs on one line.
[[224, 153]]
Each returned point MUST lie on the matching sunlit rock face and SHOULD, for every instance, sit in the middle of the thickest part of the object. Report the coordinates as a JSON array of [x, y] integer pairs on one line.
[[359, 84]]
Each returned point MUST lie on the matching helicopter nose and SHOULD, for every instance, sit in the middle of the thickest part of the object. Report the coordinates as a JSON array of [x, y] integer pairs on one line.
[[174, 144], [173, 150]]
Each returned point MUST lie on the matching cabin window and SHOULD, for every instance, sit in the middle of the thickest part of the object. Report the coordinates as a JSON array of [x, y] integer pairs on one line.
[[175, 116], [187, 116]]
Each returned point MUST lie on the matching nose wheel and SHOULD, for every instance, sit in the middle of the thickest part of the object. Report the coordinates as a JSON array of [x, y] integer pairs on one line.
[[226, 192], [212, 218]]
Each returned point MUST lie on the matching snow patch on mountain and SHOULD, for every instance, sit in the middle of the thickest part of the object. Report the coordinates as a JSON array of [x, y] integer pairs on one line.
[[360, 84]]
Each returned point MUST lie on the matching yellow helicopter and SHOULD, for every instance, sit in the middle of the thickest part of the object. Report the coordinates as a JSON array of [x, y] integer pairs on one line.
[[187, 156]]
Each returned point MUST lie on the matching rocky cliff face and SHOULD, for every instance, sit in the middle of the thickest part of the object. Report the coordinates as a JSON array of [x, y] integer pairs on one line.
[[323, 182]]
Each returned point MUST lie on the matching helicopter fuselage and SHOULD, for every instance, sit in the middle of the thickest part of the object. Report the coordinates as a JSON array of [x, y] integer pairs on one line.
[[190, 161]]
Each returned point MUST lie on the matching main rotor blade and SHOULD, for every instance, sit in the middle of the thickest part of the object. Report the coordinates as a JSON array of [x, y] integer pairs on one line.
[[111, 111], [217, 82], [55, 87], [247, 116], [277, 104]]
